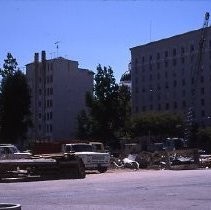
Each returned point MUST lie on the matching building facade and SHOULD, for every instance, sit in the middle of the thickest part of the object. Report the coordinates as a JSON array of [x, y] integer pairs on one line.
[[164, 74], [58, 88]]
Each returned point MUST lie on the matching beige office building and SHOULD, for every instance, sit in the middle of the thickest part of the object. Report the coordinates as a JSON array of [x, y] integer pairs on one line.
[[163, 71], [58, 89]]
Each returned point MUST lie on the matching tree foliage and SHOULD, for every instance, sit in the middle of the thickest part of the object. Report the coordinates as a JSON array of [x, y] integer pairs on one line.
[[14, 103], [9, 66], [158, 124], [204, 139], [109, 108]]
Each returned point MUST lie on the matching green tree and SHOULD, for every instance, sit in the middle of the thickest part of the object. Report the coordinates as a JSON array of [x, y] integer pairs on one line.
[[9, 66], [14, 103], [157, 124], [108, 107]]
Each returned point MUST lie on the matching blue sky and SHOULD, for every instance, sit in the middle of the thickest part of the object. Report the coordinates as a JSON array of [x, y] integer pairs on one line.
[[92, 32]]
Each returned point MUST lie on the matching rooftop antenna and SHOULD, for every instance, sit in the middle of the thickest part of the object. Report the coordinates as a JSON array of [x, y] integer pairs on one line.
[[57, 48], [150, 31]]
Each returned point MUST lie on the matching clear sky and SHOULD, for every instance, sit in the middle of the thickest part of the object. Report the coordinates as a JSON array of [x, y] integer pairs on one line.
[[92, 32]]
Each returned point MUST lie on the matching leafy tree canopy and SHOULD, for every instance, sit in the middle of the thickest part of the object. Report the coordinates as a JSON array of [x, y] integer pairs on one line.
[[158, 124], [108, 107]]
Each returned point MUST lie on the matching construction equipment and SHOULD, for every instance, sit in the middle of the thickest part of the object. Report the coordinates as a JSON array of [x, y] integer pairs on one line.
[[196, 72]]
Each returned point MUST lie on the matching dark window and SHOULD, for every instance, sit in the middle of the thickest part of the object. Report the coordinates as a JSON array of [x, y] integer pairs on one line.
[[202, 79], [167, 106], [158, 87], [158, 56], [192, 48], [174, 62], [182, 60], [166, 63], [183, 82], [192, 58], [159, 107], [174, 52], [182, 50], [158, 76], [184, 104], [175, 105], [202, 102], [202, 91], [51, 115], [202, 113], [158, 65], [150, 57], [166, 54], [143, 59]]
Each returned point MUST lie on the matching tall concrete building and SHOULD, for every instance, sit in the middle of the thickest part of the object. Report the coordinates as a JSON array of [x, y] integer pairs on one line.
[[165, 72], [58, 89]]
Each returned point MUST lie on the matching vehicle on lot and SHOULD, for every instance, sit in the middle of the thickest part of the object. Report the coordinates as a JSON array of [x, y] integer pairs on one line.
[[92, 160], [97, 146], [10, 151], [52, 166], [13, 163]]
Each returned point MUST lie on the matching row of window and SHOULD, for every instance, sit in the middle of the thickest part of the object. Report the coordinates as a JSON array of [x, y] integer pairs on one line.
[[166, 107], [47, 116], [174, 53], [48, 103], [175, 82], [48, 128], [47, 91], [48, 79], [174, 62]]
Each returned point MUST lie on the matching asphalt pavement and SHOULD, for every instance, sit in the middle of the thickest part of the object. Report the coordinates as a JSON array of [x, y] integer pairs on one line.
[[117, 190]]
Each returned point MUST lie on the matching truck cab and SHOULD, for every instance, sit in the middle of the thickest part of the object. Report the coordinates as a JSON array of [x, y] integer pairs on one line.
[[92, 160]]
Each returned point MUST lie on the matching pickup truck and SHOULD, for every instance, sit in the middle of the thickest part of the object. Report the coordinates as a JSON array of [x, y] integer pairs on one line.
[[91, 159], [10, 151]]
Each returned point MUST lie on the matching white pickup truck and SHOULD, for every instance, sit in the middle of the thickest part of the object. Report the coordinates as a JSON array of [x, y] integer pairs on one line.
[[92, 160], [10, 151]]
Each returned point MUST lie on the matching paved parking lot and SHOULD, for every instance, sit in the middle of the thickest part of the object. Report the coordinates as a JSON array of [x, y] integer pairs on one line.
[[119, 190]]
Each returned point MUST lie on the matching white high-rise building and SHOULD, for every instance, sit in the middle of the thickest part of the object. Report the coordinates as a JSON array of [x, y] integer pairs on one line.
[[58, 88]]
